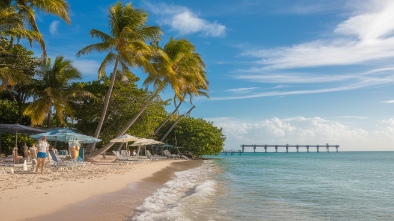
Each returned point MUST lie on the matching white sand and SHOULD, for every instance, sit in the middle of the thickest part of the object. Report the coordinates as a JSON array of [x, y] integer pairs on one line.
[[92, 191]]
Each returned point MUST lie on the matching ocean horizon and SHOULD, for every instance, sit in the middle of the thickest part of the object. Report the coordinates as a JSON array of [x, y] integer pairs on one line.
[[352, 185]]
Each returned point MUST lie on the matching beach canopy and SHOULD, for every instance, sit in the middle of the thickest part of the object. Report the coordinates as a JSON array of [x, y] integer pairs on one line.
[[124, 138], [17, 128], [145, 141], [65, 135]]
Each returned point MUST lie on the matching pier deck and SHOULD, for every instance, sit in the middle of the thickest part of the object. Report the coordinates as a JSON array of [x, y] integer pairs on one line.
[[287, 146]]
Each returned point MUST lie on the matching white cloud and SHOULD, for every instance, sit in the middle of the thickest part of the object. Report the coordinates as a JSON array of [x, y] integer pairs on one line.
[[386, 131], [53, 27], [373, 78], [303, 131], [87, 67], [184, 21], [388, 102], [241, 90], [365, 36]]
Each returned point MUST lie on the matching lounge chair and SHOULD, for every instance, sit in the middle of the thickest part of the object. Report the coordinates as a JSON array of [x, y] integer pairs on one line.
[[118, 155], [54, 158], [148, 154], [125, 153], [169, 155]]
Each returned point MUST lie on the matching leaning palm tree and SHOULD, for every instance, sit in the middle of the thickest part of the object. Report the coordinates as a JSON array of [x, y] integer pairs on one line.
[[26, 10], [175, 65], [193, 80], [126, 45], [201, 91], [53, 91]]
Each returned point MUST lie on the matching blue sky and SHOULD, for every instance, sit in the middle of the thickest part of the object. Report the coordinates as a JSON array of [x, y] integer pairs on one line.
[[296, 72]]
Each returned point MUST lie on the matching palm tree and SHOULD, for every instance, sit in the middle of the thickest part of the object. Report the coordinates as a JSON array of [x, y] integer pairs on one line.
[[201, 91], [53, 91], [12, 25], [192, 83], [176, 64], [128, 36], [26, 11]]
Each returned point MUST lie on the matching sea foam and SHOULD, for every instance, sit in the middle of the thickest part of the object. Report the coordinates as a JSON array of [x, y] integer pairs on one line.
[[174, 200]]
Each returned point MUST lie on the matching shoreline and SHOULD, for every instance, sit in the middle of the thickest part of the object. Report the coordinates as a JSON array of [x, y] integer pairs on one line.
[[93, 192]]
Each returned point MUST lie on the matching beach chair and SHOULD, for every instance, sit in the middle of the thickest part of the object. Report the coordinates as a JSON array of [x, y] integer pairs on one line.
[[169, 155], [118, 155], [148, 154], [81, 156], [54, 158], [124, 153]]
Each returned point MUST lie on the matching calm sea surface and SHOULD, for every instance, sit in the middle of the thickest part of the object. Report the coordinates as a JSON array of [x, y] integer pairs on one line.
[[279, 186]]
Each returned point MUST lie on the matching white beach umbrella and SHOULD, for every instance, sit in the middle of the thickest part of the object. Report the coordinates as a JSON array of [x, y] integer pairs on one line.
[[124, 138], [144, 142]]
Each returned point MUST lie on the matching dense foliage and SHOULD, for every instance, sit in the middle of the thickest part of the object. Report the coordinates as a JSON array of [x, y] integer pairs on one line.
[[197, 137]]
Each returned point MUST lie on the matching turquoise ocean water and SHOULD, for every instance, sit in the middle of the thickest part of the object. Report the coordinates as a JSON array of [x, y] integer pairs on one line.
[[279, 186]]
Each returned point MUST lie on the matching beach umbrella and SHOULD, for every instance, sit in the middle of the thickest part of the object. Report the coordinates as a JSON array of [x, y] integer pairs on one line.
[[65, 135], [17, 128], [144, 142], [124, 138]]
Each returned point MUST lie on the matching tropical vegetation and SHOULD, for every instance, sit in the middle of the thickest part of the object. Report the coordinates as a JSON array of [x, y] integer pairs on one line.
[[48, 93]]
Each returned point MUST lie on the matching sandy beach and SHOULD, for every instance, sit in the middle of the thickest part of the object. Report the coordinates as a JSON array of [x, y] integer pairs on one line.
[[102, 190]]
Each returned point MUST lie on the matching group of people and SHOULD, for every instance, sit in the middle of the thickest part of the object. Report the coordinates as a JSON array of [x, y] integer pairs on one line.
[[42, 149], [39, 152]]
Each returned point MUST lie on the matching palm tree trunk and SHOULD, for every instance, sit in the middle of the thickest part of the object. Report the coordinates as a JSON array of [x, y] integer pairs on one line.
[[49, 117], [106, 103], [167, 119], [176, 122], [131, 122]]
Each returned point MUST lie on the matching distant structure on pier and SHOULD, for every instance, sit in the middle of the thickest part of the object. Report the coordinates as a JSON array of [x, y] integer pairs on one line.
[[266, 146]]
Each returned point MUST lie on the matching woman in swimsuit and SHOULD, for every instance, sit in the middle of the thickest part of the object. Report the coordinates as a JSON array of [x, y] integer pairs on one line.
[[42, 148]]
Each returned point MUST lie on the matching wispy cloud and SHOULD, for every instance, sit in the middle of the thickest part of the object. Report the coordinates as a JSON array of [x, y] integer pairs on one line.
[[185, 21], [322, 84], [241, 90], [312, 7], [365, 36], [388, 102], [53, 27], [362, 41], [352, 117]]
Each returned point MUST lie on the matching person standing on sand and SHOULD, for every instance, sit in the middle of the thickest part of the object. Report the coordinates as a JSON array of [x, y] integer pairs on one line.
[[42, 148]]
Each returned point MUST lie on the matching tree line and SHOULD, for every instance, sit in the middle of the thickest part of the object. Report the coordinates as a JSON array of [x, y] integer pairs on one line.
[[40, 92]]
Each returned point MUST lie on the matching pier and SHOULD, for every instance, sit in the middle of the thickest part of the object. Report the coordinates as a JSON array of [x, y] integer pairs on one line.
[[287, 146]]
